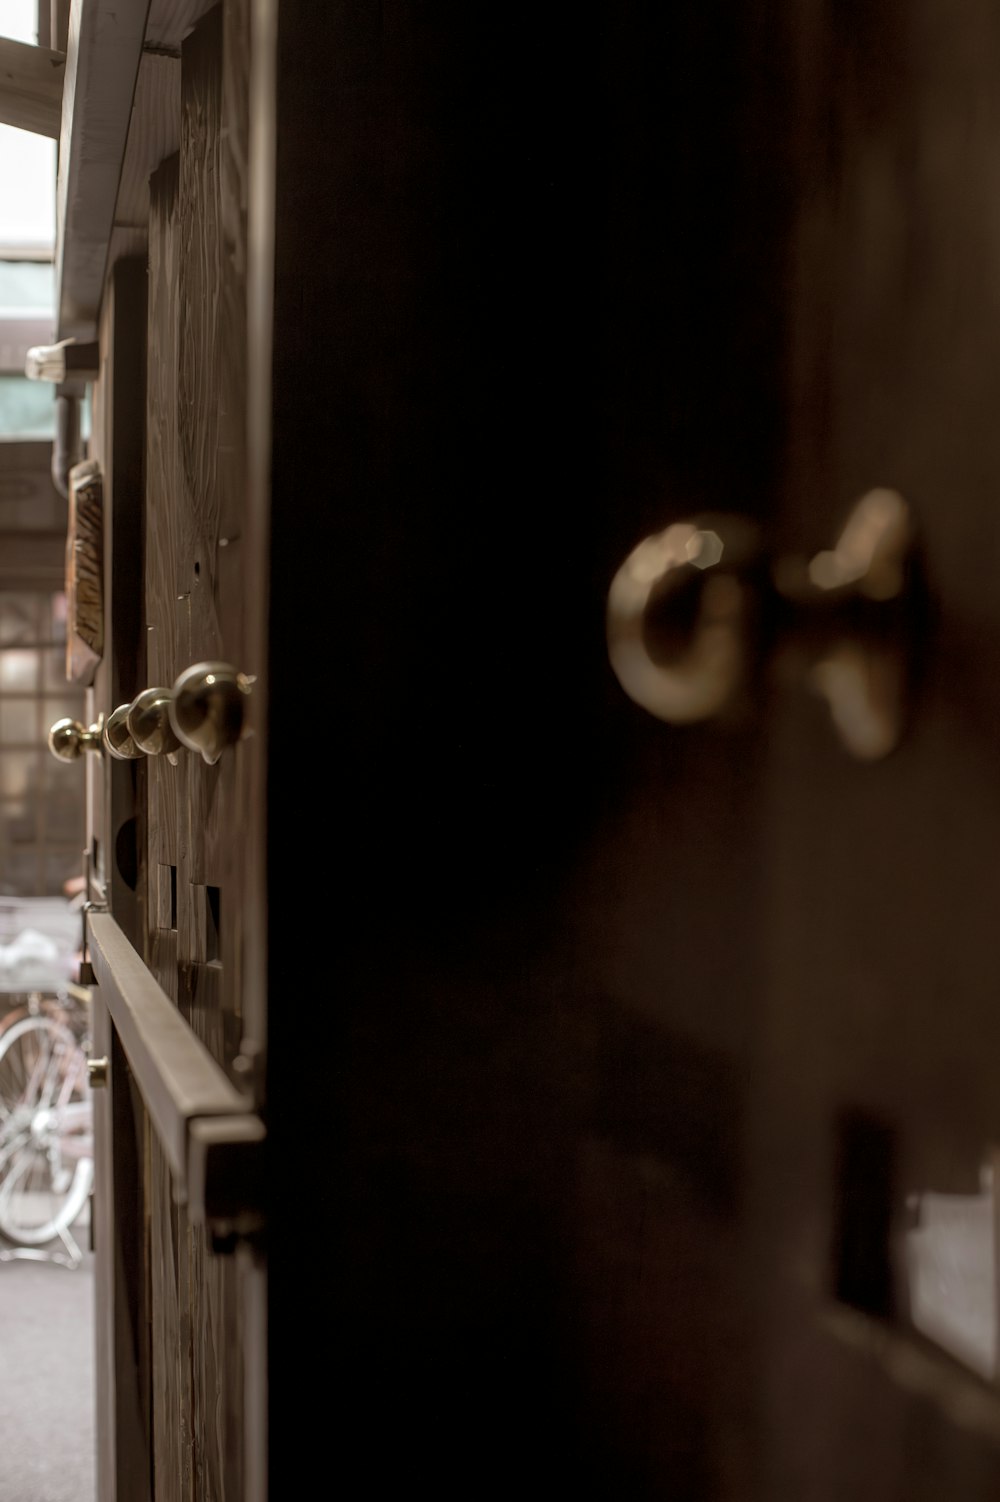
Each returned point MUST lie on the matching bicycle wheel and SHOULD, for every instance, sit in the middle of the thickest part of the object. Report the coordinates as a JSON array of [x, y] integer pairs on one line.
[[46, 1161]]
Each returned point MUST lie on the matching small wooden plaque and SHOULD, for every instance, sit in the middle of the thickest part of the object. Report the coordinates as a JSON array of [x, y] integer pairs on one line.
[[85, 572]]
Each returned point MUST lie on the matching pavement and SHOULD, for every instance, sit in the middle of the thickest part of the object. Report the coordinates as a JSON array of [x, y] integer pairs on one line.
[[47, 1429]]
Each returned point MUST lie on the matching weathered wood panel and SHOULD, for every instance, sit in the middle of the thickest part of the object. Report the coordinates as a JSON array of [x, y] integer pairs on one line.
[[194, 606], [171, 1337], [122, 1306], [212, 439], [152, 136], [162, 479]]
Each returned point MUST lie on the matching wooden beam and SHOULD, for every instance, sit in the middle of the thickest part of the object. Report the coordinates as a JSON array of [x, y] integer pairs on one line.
[[170, 21], [31, 87], [120, 116], [104, 48]]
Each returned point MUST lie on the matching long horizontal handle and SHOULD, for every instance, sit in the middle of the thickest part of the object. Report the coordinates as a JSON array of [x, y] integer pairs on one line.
[[180, 1082]]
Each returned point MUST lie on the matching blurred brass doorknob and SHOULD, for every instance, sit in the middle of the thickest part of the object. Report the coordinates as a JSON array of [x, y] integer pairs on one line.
[[148, 722], [69, 739], [202, 712], [697, 611], [142, 728], [207, 708], [118, 737]]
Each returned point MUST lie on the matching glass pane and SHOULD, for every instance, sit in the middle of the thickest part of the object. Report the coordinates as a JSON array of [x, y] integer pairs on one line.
[[60, 865], [17, 825], [63, 811], [57, 615], [27, 284], [28, 173], [19, 874], [67, 706], [18, 671], [27, 408], [54, 668], [19, 722], [20, 21], [18, 618], [19, 772]]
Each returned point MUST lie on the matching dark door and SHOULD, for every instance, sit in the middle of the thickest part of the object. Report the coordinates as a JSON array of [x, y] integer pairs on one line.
[[641, 1043], [638, 1066]]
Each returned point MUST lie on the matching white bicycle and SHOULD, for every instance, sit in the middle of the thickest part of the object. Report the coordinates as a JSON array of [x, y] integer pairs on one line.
[[46, 1126]]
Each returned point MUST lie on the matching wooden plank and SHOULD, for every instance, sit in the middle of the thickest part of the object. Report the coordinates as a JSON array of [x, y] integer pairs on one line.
[[121, 408], [126, 242], [104, 48], [31, 87], [208, 583], [120, 1292], [53, 23], [170, 21], [198, 463], [154, 133], [162, 508], [171, 1336]]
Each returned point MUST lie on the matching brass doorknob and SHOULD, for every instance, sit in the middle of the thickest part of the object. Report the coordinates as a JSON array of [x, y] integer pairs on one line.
[[69, 739], [207, 708], [696, 611], [118, 737], [149, 724]]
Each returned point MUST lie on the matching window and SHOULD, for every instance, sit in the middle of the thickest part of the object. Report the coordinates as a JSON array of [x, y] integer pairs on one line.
[[41, 801], [27, 239]]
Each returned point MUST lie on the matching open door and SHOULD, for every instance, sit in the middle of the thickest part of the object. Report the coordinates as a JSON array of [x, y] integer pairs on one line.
[[175, 849], [650, 1044], [642, 1080]]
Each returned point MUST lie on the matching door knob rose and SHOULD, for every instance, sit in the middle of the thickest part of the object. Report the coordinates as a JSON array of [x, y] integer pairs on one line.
[[697, 611]]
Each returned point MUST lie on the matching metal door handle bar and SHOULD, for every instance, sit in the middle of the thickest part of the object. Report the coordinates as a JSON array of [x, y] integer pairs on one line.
[[213, 1143]]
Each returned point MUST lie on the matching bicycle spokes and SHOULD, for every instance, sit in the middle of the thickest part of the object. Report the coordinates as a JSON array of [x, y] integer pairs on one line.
[[46, 1147]]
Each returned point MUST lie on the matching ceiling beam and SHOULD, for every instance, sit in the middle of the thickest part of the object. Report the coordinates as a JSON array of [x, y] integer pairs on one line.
[[31, 87], [103, 52]]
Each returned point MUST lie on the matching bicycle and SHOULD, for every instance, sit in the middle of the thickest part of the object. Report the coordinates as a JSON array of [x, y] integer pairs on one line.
[[46, 1125]]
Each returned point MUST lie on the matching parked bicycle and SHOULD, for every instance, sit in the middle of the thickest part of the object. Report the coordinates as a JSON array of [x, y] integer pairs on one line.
[[46, 1125]]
